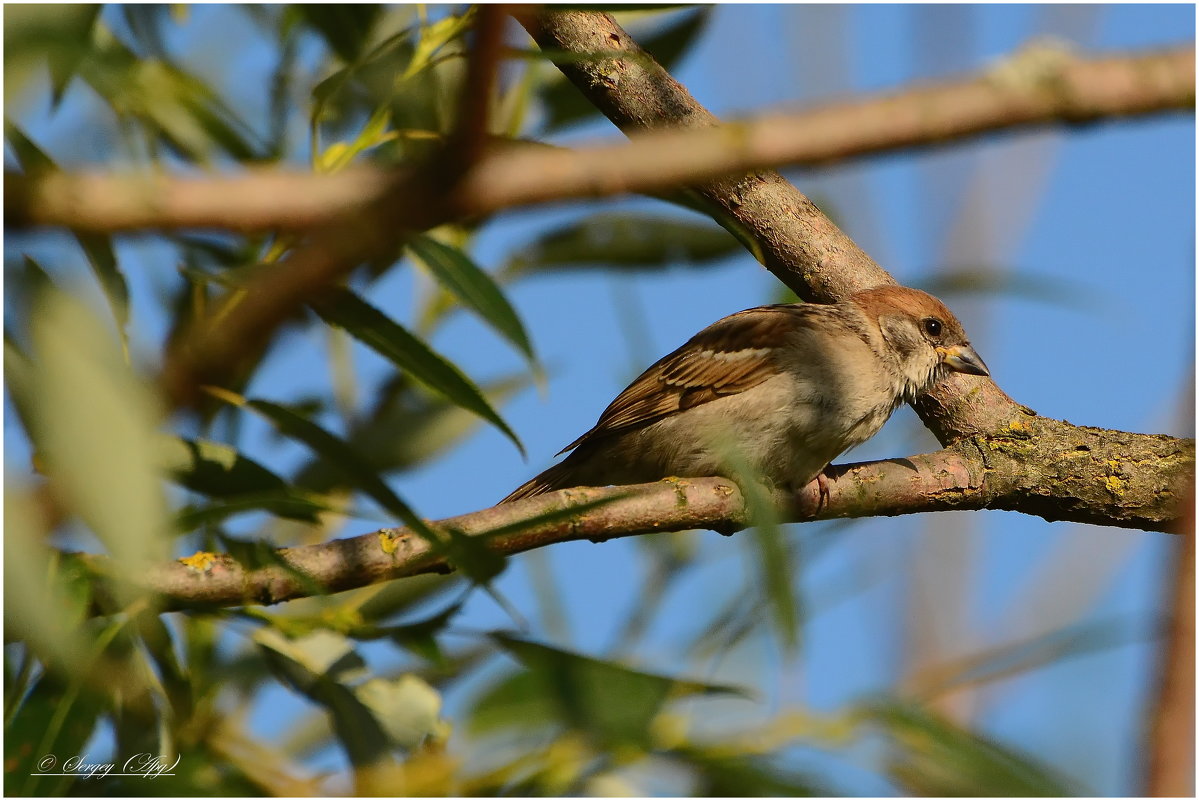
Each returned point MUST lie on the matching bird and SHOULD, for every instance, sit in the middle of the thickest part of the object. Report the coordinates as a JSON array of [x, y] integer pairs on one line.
[[770, 394]]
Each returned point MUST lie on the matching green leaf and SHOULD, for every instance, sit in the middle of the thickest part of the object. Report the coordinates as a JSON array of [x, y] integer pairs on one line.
[[160, 647], [215, 120], [434, 36], [994, 281], [465, 553], [289, 503], [420, 637], [345, 27], [54, 719], [145, 21], [30, 157], [256, 554], [213, 468], [669, 44], [547, 517], [98, 248], [934, 757], [95, 425], [242, 484], [468, 554], [56, 34], [613, 703], [336, 451], [173, 106], [103, 261], [408, 428], [370, 718], [472, 556], [473, 287], [769, 540], [392, 341], [775, 566], [18, 380], [722, 776], [399, 75], [46, 594], [373, 133], [518, 700], [384, 601], [312, 665], [328, 89], [624, 241], [691, 199], [319, 653], [407, 708]]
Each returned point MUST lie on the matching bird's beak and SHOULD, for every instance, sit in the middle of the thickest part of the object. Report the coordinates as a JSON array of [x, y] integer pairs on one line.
[[963, 359]]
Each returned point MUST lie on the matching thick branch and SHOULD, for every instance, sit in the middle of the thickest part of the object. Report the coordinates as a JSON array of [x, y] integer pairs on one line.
[[1078, 474], [802, 247]]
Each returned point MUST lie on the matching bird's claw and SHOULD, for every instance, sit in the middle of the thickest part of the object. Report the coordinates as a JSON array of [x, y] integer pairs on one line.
[[823, 497]]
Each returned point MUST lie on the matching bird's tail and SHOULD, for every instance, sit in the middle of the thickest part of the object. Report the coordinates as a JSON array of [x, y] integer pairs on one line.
[[560, 476]]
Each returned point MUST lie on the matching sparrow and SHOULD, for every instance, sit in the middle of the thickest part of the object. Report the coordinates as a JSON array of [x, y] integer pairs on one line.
[[771, 394]]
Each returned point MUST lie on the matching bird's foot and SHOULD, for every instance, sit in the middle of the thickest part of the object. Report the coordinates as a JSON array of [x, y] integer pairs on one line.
[[823, 497]]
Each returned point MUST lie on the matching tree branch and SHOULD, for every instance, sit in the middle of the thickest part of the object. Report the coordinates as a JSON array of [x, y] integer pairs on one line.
[[802, 247], [1170, 764], [1071, 90], [977, 473]]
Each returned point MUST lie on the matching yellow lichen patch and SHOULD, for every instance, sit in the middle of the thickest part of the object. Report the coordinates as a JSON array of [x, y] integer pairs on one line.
[[1113, 464], [1009, 445], [387, 543], [1115, 485], [200, 561], [1012, 438], [1016, 429], [680, 490]]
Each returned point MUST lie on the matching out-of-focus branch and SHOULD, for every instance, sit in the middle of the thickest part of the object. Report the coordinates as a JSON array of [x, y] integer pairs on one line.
[[1170, 768], [256, 199], [1071, 479], [1074, 90], [474, 112], [217, 346]]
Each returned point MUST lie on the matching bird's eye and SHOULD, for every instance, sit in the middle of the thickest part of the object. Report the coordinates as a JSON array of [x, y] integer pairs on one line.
[[932, 326]]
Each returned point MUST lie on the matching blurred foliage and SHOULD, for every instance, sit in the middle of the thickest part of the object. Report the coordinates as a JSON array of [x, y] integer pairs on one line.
[[114, 471]]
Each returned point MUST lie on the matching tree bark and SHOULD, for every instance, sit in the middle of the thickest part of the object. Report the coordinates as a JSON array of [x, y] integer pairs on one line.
[[1088, 484]]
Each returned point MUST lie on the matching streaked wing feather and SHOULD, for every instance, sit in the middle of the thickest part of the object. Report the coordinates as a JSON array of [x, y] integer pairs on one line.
[[729, 356]]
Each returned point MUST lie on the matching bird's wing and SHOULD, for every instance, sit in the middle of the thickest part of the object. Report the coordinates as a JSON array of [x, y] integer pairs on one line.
[[730, 356]]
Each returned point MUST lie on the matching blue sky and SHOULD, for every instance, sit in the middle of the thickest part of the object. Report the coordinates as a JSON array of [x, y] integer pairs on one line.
[[1103, 217]]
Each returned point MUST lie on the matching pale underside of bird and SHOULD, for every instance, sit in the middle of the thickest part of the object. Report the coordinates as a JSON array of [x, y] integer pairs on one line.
[[771, 394]]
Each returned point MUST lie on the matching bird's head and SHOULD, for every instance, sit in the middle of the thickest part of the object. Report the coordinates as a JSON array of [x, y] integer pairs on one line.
[[921, 337]]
